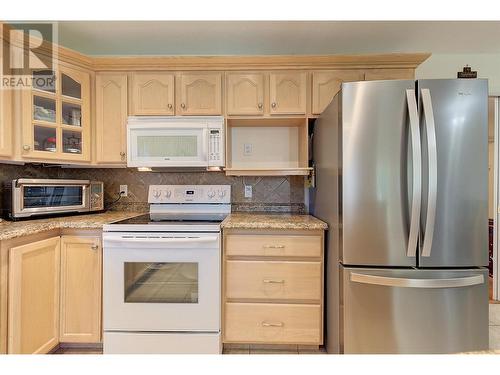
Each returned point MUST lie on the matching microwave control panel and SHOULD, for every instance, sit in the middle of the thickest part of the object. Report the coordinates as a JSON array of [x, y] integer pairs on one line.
[[215, 147]]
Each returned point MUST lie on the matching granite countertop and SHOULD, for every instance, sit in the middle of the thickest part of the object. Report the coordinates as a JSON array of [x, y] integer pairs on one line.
[[256, 220], [13, 229]]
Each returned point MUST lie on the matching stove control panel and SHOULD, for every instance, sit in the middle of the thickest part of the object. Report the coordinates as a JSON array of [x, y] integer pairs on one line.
[[189, 194]]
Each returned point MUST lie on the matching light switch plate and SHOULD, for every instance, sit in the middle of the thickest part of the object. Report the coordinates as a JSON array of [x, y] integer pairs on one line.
[[247, 149], [124, 189], [248, 191]]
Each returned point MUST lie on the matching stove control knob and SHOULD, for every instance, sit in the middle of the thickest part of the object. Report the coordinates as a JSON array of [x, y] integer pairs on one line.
[[211, 194], [222, 193], [156, 193], [167, 193]]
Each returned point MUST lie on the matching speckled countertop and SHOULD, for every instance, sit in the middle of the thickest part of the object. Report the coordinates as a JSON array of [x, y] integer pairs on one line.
[[256, 220], [13, 229]]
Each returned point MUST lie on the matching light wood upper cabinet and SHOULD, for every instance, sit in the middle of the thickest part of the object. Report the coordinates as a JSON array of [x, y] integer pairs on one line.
[[245, 93], [383, 74], [287, 92], [56, 118], [33, 319], [81, 265], [326, 84], [200, 93], [5, 123], [111, 118], [153, 93]]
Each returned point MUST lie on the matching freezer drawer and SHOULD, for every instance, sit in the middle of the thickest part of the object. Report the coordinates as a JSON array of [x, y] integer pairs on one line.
[[414, 311]]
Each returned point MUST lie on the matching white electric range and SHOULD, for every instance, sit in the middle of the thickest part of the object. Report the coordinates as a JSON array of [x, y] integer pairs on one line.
[[162, 273]]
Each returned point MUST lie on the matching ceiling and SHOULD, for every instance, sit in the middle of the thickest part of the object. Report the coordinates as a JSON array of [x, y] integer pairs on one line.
[[277, 37]]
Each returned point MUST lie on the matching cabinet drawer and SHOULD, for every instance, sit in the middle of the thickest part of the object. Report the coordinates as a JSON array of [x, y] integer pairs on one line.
[[273, 280], [273, 245], [272, 324]]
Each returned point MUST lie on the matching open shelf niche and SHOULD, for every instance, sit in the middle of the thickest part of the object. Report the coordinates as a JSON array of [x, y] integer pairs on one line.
[[267, 147]]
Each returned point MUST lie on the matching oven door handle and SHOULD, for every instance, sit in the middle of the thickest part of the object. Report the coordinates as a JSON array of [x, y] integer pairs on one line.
[[166, 240]]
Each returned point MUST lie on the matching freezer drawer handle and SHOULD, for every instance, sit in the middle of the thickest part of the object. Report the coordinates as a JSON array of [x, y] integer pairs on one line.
[[432, 155], [271, 324], [456, 282], [417, 173]]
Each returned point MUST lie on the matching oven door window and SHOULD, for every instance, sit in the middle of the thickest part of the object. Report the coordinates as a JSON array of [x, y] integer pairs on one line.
[[147, 282], [52, 196]]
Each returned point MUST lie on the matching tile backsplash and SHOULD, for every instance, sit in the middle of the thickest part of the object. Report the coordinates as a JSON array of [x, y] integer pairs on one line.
[[269, 193]]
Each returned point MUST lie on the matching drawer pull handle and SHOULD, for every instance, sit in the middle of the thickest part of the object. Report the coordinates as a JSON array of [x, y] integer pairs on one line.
[[273, 281], [274, 246], [270, 324]]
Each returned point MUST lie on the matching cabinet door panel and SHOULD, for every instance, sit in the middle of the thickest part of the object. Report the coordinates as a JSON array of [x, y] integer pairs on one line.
[[245, 93], [33, 321], [111, 118], [5, 123], [200, 94], [382, 74], [153, 93], [288, 92], [80, 289], [326, 84]]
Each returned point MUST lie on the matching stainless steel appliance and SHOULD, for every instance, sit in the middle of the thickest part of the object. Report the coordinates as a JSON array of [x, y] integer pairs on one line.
[[401, 173], [26, 197], [183, 141], [162, 273]]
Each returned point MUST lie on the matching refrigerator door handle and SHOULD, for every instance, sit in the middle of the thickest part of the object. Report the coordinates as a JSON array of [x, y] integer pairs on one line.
[[417, 173], [456, 282], [432, 178]]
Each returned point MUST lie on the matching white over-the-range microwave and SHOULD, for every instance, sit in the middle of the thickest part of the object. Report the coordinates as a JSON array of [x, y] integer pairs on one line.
[[159, 141]]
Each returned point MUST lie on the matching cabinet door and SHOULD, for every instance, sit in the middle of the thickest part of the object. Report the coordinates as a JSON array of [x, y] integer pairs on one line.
[[288, 93], [5, 123], [111, 118], [245, 93], [382, 74], [200, 94], [326, 84], [56, 119], [33, 321], [80, 289], [153, 93]]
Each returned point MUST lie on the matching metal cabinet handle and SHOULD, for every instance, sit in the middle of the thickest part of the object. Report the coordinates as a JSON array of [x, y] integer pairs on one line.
[[94, 247], [417, 173], [183, 106], [455, 282], [273, 104], [273, 246], [26, 147], [272, 324], [432, 179], [273, 281], [169, 106], [260, 105]]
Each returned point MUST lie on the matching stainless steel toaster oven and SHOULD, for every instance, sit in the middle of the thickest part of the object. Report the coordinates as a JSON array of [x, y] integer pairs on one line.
[[25, 197]]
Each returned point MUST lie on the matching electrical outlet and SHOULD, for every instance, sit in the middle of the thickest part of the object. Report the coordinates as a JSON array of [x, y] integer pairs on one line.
[[247, 149], [124, 189], [248, 191]]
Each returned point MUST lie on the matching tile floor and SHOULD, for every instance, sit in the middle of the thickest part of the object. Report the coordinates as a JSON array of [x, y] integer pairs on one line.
[[494, 325]]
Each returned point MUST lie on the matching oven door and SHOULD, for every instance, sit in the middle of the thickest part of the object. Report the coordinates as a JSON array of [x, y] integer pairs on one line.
[[161, 282], [40, 198], [167, 145]]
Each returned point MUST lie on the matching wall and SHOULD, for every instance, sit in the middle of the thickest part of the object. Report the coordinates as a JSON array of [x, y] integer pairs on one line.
[[487, 65], [269, 193]]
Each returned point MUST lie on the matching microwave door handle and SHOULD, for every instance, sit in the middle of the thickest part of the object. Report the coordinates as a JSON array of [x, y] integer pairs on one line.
[[432, 179], [417, 173]]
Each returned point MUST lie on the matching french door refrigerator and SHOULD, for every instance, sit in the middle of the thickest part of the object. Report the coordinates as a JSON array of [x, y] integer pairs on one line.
[[401, 178]]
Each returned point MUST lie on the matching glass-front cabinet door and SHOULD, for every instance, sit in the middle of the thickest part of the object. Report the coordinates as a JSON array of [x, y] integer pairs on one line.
[[56, 116]]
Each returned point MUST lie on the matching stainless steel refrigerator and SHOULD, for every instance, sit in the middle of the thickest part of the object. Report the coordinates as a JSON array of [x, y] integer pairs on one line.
[[401, 178]]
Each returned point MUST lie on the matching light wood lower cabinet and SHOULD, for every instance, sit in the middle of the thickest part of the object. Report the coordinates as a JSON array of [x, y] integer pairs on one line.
[[33, 317], [273, 287], [81, 259]]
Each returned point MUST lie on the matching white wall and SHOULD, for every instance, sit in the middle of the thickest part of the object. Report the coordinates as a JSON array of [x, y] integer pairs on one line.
[[447, 65]]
